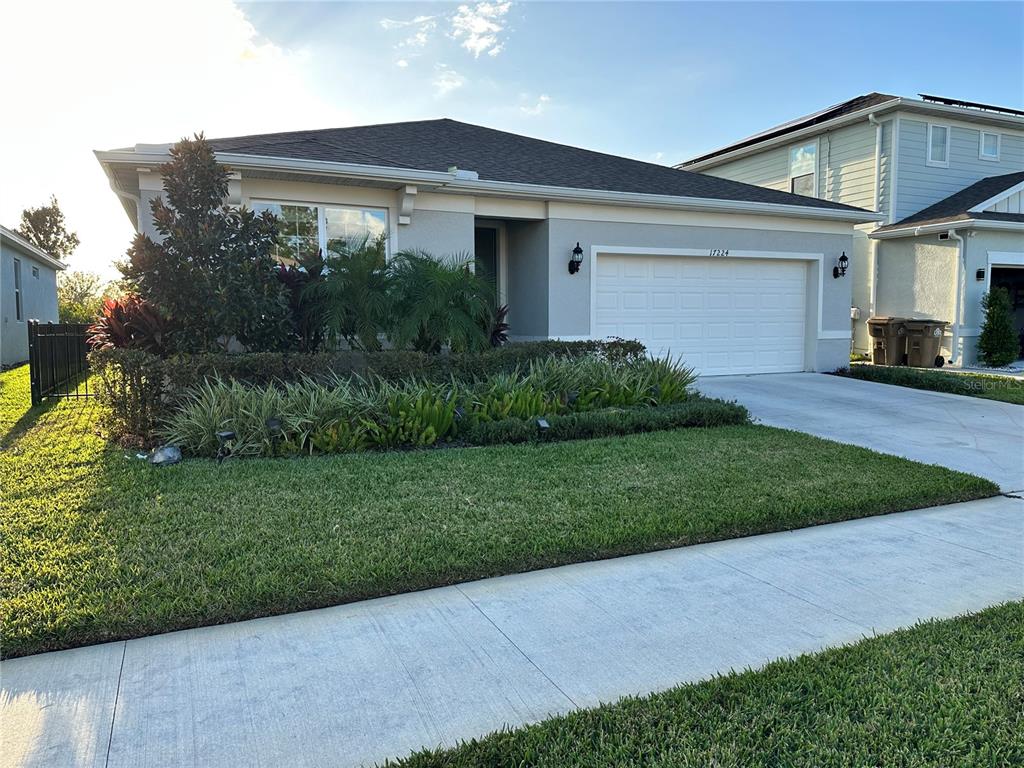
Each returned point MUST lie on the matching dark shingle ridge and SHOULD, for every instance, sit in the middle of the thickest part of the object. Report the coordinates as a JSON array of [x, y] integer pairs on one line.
[[836, 110], [960, 203], [436, 145]]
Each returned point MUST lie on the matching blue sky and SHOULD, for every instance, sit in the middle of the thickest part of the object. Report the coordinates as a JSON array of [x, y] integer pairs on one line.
[[655, 81]]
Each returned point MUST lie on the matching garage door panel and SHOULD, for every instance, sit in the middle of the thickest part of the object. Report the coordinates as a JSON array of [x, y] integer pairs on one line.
[[720, 316]]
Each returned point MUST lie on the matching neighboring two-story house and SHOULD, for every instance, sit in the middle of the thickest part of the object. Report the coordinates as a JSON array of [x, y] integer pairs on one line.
[[948, 177]]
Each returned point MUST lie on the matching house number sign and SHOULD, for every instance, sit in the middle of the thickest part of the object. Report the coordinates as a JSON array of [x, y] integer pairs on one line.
[[719, 252]]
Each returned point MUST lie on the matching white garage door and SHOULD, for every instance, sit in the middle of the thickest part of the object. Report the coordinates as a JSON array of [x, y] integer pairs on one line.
[[720, 315]]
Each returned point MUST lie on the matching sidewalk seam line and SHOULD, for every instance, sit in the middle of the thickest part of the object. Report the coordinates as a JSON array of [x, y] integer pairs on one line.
[[932, 536], [787, 592], [514, 645], [117, 697]]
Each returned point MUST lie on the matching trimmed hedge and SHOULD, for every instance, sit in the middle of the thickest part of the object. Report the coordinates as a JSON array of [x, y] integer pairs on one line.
[[970, 384], [697, 412]]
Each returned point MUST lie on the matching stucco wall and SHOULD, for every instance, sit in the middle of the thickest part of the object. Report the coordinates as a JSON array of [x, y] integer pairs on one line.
[[39, 302], [441, 233]]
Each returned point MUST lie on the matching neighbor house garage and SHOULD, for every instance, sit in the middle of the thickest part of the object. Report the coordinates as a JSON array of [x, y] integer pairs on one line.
[[731, 277]]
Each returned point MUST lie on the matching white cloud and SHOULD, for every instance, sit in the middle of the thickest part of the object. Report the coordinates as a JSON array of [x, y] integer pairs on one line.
[[421, 29], [402, 63], [479, 27], [538, 107], [114, 87], [447, 80]]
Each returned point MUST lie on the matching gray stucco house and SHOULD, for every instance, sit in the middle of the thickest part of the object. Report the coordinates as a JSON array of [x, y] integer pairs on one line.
[[28, 291], [947, 178], [732, 277]]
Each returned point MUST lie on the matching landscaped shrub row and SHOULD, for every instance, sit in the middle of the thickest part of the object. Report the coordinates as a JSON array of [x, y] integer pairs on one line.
[[938, 381], [698, 411], [578, 397], [140, 389]]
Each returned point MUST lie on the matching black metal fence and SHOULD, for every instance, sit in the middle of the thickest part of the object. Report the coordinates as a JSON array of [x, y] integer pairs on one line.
[[58, 360]]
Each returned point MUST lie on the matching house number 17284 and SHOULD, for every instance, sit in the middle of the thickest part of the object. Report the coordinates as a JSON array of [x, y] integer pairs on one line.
[[719, 252]]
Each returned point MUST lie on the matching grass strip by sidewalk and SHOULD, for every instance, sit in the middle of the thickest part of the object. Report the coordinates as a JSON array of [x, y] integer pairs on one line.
[[100, 546], [989, 387], [940, 694]]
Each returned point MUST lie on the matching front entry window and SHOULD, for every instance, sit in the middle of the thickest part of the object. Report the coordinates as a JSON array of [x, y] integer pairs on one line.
[[485, 255], [298, 235]]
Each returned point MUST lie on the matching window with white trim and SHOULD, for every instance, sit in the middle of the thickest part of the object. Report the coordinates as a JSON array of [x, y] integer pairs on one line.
[[938, 145], [803, 163], [304, 229], [988, 146], [18, 309], [35, 272]]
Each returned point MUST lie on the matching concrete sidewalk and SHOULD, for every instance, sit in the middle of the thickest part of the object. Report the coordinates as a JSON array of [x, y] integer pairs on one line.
[[981, 437], [360, 683]]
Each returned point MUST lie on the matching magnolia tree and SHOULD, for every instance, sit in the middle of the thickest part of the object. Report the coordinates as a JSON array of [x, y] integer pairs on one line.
[[211, 275]]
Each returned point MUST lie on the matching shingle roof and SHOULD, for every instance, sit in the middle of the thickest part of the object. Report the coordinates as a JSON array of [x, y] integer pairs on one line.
[[957, 206], [436, 145], [829, 113]]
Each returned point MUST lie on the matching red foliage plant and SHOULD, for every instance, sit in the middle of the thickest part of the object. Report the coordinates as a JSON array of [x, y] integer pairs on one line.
[[128, 323]]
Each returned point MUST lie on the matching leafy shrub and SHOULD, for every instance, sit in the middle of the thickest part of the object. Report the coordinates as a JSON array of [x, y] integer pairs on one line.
[[696, 412], [371, 412], [131, 388], [352, 298], [128, 323], [998, 344]]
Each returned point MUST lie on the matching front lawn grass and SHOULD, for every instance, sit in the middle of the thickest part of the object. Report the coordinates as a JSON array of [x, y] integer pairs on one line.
[[99, 545], [941, 694], [1002, 388]]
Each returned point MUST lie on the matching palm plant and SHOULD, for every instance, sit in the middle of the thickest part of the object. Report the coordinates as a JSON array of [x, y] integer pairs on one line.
[[353, 294], [437, 303]]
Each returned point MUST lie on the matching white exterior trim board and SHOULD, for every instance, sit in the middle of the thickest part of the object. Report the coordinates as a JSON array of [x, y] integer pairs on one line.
[[986, 204]]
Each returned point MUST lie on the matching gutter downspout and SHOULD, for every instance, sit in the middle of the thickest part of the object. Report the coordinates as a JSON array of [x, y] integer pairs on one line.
[[873, 248], [961, 267]]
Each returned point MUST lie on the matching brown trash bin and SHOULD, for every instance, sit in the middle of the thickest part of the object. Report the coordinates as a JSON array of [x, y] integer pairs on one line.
[[924, 343], [890, 342]]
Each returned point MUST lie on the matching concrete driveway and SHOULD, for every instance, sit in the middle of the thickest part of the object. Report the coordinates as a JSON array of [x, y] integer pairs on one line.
[[983, 437]]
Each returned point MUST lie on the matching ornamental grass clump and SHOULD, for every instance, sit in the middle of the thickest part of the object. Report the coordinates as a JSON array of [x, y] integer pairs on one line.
[[363, 413]]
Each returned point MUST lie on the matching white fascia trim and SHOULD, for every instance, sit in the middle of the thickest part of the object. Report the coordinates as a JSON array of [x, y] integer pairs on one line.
[[28, 249], [945, 226], [619, 250], [985, 204], [440, 181], [914, 105]]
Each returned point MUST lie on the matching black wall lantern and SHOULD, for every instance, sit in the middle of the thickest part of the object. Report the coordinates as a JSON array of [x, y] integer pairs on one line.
[[576, 259], [841, 266]]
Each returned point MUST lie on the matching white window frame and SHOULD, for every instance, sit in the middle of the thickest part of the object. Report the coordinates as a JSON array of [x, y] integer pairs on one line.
[[928, 145], [789, 164], [35, 272], [19, 304], [321, 217], [981, 146]]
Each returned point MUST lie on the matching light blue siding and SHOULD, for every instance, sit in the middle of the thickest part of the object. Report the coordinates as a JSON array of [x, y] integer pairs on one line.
[[38, 301], [920, 185]]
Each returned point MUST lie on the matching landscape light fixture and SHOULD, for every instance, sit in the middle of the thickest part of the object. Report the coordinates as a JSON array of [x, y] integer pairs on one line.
[[576, 259], [223, 438], [841, 266], [542, 427], [276, 432]]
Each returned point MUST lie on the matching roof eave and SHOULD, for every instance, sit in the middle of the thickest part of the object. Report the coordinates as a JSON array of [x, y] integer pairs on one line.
[[449, 182], [35, 252], [938, 227]]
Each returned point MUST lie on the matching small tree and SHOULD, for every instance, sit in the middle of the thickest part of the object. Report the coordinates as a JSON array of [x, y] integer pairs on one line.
[[79, 296], [44, 227], [998, 344], [212, 274]]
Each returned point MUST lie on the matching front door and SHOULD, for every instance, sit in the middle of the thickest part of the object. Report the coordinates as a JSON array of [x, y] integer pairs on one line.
[[485, 255]]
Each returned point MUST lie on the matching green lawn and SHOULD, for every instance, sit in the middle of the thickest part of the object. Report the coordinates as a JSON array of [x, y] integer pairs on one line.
[[942, 694], [982, 385], [98, 545]]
